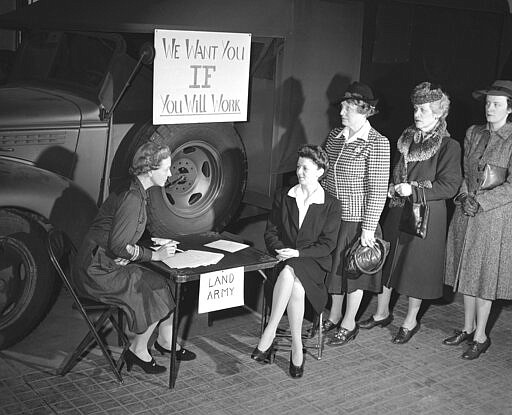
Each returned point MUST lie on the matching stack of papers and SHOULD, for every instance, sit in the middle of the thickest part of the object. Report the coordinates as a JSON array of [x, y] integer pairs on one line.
[[193, 259], [229, 246]]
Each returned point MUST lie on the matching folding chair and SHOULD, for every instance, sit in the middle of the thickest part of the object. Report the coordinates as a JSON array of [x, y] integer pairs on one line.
[[312, 338], [62, 251]]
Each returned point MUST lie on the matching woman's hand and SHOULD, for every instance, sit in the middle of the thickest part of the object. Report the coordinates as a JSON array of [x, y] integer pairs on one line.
[[286, 253], [165, 251], [403, 189], [122, 261], [391, 190], [367, 238]]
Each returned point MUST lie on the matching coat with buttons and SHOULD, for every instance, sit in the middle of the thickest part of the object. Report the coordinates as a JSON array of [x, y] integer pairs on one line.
[[142, 294], [479, 260]]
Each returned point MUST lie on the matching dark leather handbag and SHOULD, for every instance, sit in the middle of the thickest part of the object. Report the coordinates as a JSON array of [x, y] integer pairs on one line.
[[361, 259], [414, 219], [493, 176]]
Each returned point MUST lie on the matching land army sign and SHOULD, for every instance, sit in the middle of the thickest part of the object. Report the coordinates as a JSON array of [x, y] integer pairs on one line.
[[200, 76], [219, 290]]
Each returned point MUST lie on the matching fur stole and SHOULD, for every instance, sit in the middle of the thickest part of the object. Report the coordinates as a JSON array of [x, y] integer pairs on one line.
[[413, 146]]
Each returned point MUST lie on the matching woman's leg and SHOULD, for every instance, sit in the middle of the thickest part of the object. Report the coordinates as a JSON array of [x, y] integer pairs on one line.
[[139, 344], [281, 296], [295, 317], [469, 313], [336, 305], [412, 312], [383, 300], [353, 301], [164, 338], [483, 309]]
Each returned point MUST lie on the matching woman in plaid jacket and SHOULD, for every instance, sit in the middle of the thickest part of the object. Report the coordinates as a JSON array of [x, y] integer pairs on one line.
[[359, 156]]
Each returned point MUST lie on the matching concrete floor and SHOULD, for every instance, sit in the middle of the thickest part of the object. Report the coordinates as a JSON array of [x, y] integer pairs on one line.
[[369, 375]]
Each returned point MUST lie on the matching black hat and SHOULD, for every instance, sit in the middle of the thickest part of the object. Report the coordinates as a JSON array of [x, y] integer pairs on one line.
[[358, 90], [498, 88], [361, 259]]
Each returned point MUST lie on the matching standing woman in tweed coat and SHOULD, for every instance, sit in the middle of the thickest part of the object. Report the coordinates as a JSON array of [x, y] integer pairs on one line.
[[359, 156], [430, 163], [479, 259]]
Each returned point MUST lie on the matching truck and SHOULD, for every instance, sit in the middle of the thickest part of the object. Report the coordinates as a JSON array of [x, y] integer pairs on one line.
[[78, 102]]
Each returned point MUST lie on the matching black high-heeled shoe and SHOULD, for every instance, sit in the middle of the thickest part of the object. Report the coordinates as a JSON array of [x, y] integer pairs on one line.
[[150, 367], [266, 356], [296, 371], [182, 354]]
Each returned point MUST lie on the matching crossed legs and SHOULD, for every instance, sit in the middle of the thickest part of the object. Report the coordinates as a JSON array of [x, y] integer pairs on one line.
[[139, 345], [288, 295]]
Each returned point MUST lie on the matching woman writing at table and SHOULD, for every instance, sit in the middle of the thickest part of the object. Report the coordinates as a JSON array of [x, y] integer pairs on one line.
[[302, 231], [108, 265]]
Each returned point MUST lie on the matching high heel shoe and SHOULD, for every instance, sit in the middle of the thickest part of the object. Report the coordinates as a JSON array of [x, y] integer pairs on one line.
[[151, 367], [182, 354], [296, 371], [266, 356]]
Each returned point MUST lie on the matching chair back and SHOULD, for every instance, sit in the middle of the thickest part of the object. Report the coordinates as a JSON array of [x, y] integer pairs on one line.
[[62, 251]]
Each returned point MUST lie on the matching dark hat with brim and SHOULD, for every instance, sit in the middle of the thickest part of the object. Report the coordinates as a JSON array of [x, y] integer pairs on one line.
[[499, 88], [367, 260], [360, 91]]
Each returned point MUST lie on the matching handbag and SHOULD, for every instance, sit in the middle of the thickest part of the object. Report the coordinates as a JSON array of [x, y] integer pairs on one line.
[[493, 176], [414, 219], [367, 260]]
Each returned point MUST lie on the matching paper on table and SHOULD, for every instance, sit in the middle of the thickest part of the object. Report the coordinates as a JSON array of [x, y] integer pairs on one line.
[[229, 246], [193, 259]]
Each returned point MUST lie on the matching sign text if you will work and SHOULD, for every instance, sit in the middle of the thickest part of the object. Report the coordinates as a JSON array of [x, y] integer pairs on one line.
[[200, 76]]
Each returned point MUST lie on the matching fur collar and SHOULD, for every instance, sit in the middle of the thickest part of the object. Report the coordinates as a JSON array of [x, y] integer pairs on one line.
[[425, 147]]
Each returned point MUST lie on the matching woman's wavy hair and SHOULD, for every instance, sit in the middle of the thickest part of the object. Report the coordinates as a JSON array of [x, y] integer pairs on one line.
[[316, 154], [362, 107], [148, 157], [441, 107]]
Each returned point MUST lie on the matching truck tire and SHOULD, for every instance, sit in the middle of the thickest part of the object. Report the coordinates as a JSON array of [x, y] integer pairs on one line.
[[28, 283], [209, 174]]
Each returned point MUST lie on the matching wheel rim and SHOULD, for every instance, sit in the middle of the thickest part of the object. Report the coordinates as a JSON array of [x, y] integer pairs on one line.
[[16, 280], [196, 179]]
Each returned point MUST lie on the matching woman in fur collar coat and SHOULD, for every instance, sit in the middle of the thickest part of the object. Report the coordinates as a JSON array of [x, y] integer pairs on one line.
[[429, 162]]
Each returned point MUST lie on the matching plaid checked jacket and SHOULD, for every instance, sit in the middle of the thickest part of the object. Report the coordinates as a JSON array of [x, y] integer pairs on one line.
[[358, 176]]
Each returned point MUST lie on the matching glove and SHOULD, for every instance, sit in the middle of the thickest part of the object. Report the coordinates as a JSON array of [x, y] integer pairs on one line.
[[470, 206], [460, 198]]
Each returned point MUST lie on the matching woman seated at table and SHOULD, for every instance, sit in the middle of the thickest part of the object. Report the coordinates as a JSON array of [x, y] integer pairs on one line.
[[301, 231], [108, 268]]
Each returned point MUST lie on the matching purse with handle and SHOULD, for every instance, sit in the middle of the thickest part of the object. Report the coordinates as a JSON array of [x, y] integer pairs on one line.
[[493, 176], [414, 219]]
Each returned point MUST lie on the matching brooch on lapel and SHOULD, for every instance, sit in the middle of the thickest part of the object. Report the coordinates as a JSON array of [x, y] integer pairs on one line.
[[358, 150]]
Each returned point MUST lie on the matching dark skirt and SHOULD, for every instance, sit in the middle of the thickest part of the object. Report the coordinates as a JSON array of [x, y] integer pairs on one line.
[[312, 278], [143, 295], [339, 281]]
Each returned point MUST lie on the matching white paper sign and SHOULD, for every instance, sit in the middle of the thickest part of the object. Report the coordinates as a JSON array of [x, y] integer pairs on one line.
[[221, 289], [200, 76]]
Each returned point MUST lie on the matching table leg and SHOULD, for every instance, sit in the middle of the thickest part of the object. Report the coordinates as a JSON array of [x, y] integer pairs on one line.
[[173, 372], [263, 322]]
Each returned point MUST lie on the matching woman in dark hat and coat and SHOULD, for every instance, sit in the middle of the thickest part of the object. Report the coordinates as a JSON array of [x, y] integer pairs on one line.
[[301, 231], [429, 163], [359, 160], [479, 260]]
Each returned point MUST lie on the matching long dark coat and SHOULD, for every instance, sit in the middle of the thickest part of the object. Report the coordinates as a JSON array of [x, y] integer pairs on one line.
[[479, 248], [315, 241], [415, 266]]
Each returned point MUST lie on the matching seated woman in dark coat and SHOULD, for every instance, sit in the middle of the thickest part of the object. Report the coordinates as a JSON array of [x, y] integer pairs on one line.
[[108, 266], [302, 231]]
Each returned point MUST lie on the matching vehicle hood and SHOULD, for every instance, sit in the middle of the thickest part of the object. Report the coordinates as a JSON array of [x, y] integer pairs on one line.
[[23, 107]]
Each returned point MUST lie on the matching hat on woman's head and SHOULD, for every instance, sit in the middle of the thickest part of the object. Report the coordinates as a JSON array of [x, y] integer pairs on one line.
[[360, 91], [498, 88], [426, 92]]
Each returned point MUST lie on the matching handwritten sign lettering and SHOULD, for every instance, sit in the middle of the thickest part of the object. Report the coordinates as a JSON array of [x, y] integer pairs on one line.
[[200, 76], [221, 289]]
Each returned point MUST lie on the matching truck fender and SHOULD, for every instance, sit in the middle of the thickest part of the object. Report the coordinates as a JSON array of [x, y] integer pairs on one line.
[[55, 198]]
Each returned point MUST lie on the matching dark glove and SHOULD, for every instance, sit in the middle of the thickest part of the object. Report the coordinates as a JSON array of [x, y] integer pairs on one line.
[[460, 198], [470, 206]]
